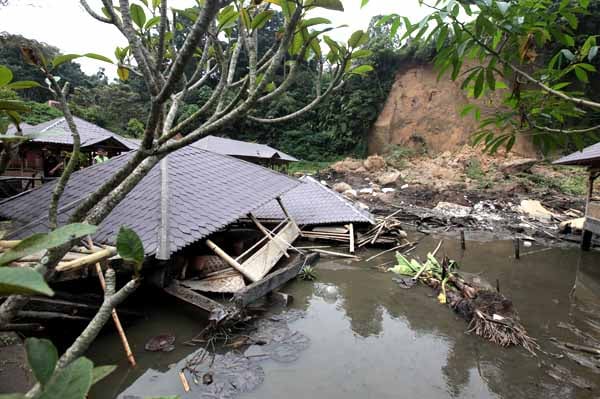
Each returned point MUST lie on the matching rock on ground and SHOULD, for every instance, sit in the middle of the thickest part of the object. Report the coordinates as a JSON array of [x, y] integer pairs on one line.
[[388, 177], [374, 163], [535, 210], [341, 187], [522, 165]]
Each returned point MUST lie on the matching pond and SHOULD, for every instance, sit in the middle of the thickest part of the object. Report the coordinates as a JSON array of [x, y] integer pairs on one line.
[[371, 339]]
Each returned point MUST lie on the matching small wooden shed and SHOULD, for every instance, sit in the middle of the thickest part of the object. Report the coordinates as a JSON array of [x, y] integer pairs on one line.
[[588, 157]]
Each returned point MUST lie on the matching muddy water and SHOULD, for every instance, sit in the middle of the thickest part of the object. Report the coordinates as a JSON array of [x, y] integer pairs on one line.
[[371, 339]]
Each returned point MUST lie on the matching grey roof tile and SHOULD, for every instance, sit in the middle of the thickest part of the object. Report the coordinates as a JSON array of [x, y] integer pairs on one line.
[[57, 131], [311, 203], [588, 156], [239, 148], [204, 192]]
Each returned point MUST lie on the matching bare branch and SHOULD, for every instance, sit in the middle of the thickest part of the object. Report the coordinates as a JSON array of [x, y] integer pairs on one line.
[[59, 188], [95, 14], [198, 30], [162, 29]]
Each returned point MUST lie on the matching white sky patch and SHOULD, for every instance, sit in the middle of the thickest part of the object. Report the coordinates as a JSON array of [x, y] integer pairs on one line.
[[66, 25]]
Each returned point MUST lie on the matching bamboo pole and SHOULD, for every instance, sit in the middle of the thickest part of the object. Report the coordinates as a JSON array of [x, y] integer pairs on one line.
[[117, 321], [114, 314], [230, 261], [184, 382], [322, 251], [86, 260]]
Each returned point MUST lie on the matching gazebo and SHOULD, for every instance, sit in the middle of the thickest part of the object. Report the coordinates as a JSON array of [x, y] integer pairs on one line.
[[588, 157]]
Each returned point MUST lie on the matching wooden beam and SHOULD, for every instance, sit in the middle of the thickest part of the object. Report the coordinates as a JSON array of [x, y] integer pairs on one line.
[[230, 261], [216, 310], [273, 280], [351, 233], [285, 212], [322, 251]]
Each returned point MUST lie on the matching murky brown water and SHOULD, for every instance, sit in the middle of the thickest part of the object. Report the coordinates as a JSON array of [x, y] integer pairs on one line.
[[371, 339]]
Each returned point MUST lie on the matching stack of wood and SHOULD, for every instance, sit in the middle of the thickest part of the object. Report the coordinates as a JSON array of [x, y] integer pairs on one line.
[[387, 232]]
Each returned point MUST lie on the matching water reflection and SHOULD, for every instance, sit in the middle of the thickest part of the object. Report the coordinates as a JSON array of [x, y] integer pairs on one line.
[[371, 339]]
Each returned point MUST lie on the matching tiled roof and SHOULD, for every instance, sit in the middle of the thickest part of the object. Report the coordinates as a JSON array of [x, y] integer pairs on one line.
[[588, 156], [57, 131], [191, 194], [238, 148], [311, 203]]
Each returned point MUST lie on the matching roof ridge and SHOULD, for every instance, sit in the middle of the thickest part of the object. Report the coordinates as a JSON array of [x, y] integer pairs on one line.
[[52, 125], [163, 247]]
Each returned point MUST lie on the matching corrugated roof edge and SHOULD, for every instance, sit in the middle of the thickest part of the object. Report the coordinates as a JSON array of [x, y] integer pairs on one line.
[[341, 199]]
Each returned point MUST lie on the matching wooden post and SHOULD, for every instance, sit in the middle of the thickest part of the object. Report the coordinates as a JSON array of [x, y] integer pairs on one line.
[[230, 261], [586, 240], [351, 233], [517, 243], [463, 244]]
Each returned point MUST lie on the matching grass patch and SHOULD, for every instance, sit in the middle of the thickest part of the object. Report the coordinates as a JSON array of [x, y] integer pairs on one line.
[[398, 156], [308, 167], [572, 184]]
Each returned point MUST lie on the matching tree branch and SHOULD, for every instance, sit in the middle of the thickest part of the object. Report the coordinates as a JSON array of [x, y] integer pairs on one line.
[[59, 188], [95, 14]]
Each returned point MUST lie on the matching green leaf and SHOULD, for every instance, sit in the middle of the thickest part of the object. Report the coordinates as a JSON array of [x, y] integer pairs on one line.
[[491, 80], [581, 74], [61, 59], [137, 15], [6, 75], [73, 382], [22, 280], [358, 38], [100, 372], [363, 3], [593, 52], [130, 247], [152, 22], [335, 5], [245, 17], [13, 396], [23, 84], [361, 69], [362, 53], [42, 357], [261, 19], [98, 57], [13, 105], [314, 21], [441, 38], [478, 90], [41, 241]]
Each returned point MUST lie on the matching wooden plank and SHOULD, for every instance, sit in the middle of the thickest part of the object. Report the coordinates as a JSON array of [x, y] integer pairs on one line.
[[262, 261], [322, 251], [215, 309], [273, 281], [270, 235]]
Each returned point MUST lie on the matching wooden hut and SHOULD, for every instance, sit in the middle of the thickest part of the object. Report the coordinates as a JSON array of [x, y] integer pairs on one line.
[[261, 154], [589, 157], [50, 143], [187, 209]]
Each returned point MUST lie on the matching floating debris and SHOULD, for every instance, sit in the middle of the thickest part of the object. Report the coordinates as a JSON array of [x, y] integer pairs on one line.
[[161, 343], [489, 313]]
